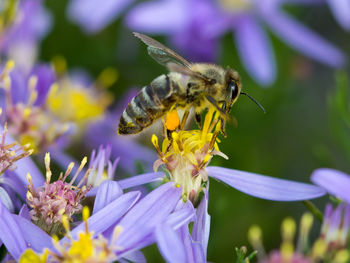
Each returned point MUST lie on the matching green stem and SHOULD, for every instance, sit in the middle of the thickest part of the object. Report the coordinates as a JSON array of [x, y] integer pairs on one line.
[[314, 210]]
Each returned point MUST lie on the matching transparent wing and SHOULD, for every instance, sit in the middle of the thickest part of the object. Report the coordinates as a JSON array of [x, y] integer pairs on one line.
[[161, 53], [169, 58]]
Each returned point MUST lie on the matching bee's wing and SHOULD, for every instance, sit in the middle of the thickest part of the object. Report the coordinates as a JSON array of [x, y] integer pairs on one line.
[[161, 53], [169, 58]]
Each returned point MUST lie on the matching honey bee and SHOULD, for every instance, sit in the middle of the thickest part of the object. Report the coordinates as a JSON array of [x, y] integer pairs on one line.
[[187, 85]]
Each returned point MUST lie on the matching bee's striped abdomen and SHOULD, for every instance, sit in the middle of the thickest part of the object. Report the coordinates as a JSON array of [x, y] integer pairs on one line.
[[148, 105]]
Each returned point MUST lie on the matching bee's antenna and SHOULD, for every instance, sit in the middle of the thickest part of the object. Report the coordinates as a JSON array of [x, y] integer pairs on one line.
[[257, 103]]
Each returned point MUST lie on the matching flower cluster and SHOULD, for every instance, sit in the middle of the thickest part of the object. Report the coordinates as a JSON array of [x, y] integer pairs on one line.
[[112, 205]]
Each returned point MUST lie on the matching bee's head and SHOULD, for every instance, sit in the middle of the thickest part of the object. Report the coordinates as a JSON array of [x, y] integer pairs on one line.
[[233, 87]]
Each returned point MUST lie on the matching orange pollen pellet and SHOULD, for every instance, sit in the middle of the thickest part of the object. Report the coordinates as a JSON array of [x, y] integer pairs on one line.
[[172, 120]]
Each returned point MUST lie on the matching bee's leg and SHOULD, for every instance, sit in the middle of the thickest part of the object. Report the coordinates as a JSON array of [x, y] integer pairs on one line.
[[168, 134], [184, 119], [211, 148], [198, 119], [222, 128]]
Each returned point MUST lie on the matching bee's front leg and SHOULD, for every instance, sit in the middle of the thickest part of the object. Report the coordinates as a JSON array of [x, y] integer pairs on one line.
[[198, 119], [184, 119], [222, 128]]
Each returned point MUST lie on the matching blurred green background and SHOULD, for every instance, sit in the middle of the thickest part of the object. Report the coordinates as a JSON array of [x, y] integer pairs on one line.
[[298, 134]]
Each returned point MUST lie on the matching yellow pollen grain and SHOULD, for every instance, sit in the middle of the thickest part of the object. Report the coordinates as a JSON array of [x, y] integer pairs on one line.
[[172, 120], [177, 185]]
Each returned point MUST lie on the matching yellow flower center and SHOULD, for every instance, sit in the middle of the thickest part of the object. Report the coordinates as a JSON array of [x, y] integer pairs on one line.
[[84, 249], [75, 103], [187, 153]]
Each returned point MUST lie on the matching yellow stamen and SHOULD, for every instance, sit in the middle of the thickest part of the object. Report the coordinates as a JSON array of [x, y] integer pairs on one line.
[[47, 167]]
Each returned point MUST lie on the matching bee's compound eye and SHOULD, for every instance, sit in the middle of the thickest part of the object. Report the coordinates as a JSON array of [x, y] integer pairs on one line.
[[233, 88]]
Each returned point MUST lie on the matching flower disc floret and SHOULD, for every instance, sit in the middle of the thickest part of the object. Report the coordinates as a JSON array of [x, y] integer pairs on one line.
[[55, 199], [186, 154]]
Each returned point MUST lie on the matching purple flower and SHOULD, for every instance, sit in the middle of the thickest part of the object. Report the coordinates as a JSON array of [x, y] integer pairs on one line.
[[25, 111], [14, 165], [335, 228], [126, 223], [31, 23], [176, 18], [92, 16]]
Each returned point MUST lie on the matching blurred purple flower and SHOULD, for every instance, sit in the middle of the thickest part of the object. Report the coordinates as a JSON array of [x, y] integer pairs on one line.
[[20, 40], [24, 106], [93, 16], [334, 182], [207, 20], [14, 164]]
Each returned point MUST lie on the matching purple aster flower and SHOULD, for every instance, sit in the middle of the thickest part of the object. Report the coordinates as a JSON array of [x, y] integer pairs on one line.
[[335, 228], [25, 111], [102, 168], [30, 24], [116, 220], [92, 16], [13, 166], [180, 19]]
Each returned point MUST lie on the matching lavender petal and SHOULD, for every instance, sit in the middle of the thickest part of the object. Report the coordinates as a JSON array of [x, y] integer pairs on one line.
[[11, 234], [265, 187], [201, 226], [108, 215], [255, 50], [6, 199], [170, 245], [94, 16], [140, 179], [36, 238], [304, 39], [135, 256], [106, 193], [159, 17], [334, 182], [46, 77], [183, 214], [153, 209]]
